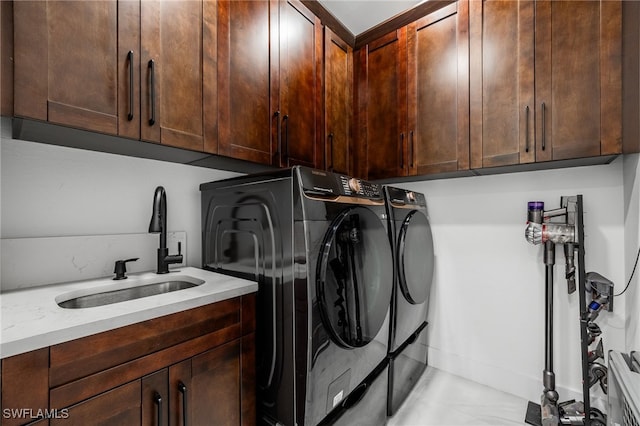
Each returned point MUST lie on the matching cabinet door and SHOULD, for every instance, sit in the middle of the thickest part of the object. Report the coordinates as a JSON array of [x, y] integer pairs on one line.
[[438, 91], [178, 64], [502, 83], [578, 79], [120, 406], [155, 398], [300, 85], [24, 386], [382, 106], [205, 389], [338, 103], [246, 58], [72, 65]]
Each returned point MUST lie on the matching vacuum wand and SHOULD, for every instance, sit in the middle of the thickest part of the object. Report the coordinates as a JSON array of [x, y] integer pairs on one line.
[[540, 230]]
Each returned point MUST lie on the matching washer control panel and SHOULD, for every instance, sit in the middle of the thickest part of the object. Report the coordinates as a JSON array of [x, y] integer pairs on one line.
[[320, 183], [355, 186]]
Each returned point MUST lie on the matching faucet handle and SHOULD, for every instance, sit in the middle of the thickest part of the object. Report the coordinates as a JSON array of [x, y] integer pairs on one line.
[[120, 268]]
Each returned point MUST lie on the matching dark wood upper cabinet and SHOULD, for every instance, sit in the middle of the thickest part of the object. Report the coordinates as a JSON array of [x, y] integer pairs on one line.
[[338, 104], [178, 69], [72, 65], [472, 85], [547, 84], [299, 86], [578, 79], [413, 97], [142, 70], [438, 91], [502, 83], [246, 61], [269, 77], [382, 107]]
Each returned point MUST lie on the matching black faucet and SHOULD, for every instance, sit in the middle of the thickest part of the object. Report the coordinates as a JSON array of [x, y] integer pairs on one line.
[[159, 225]]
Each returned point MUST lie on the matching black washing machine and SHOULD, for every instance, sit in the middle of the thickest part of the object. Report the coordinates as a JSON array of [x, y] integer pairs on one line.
[[318, 245], [413, 258]]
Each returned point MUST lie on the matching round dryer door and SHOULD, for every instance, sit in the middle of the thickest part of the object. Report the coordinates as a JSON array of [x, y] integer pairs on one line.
[[354, 277], [415, 257]]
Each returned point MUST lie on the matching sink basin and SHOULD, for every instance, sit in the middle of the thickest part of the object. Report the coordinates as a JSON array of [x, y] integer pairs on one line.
[[134, 289]]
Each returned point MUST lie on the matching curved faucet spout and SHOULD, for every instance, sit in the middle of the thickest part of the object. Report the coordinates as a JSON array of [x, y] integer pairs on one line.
[[158, 225]]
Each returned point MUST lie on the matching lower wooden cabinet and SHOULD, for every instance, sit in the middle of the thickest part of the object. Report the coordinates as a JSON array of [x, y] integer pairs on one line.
[[119, 406], [195, 367]]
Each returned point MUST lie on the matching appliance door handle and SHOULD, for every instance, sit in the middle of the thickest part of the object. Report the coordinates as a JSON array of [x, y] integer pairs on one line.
[[152, 91], [183, 390], [157, 400], [130, 61]]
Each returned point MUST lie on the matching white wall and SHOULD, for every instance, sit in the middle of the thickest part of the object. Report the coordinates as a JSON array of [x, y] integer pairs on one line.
[[632, 242], [487, 306], [52, 191]]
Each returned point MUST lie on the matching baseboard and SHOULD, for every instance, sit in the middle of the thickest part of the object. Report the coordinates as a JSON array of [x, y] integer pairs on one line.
[[508, 381]]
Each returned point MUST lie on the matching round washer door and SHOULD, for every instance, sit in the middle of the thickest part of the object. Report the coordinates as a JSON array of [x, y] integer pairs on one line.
[[415, 257], [354, 277]]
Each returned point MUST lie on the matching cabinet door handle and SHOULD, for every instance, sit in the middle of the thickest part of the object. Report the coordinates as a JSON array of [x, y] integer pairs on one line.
[[130, 61], [157, 399], [152, 92], [285, 123], [411, 149], [276, 115], [331, 151], [183, 390], [526, 118], [544, 142], [402, 150]]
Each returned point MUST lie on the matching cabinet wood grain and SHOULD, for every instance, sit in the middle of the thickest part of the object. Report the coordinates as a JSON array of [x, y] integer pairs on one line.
[[502, 84], [67, 69], [247, 60], [177, 59], [578, 79], [438, 91], [338, 104], [300, 85], [25, 383], [382, 106]]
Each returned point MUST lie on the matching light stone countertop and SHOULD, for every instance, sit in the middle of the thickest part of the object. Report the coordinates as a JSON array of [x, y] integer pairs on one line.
[[32, 319]]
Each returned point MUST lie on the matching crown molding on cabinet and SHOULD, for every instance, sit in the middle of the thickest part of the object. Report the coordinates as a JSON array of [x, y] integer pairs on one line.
[[391, 24]]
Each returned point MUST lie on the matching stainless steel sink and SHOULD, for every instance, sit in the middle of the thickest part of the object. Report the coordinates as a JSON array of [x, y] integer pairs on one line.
[[107, 296]]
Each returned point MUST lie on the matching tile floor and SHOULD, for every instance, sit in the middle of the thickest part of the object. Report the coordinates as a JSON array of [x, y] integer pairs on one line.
[[442, 399]]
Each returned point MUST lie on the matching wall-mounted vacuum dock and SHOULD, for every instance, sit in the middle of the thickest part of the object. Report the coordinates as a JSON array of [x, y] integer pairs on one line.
[[565, 226]]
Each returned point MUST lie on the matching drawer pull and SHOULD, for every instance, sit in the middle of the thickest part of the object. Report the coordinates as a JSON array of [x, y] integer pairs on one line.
[[152, 91], [183, 390], [157, 399], [130, 61]]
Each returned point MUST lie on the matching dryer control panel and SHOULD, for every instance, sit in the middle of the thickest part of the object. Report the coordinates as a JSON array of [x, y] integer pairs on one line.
[[403, 197]]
